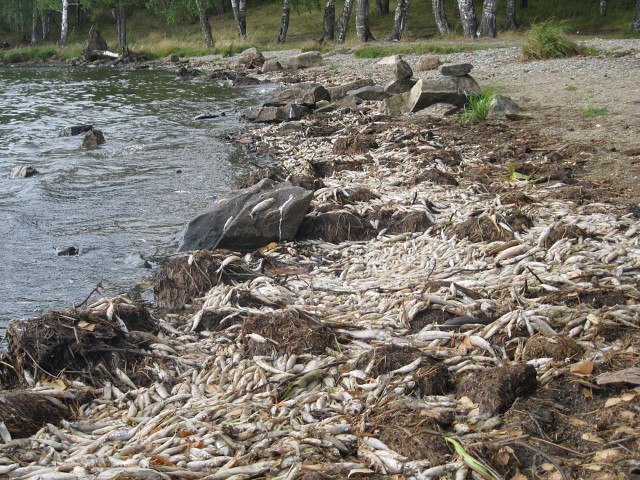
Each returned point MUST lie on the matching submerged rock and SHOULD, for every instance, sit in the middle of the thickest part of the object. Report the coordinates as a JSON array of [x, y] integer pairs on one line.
[[92, 139], [23, 171], [75, 130], [253, 217], [68, 251]]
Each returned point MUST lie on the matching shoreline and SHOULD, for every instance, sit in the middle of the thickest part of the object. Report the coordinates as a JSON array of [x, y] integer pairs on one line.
[[536, 257]]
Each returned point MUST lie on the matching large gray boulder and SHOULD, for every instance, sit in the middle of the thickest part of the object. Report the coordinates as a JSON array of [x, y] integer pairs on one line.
[[452, 90], [251, 58], [307, 94], [252, 218], [264, 114], [456, 70], [339, 92], [402, 69], [374, 93], [400, 86], [271, 65], [438, 110], [396, 105], [305, 60]]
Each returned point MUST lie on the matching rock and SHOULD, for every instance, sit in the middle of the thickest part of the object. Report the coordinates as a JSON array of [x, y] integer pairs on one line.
[[339, 92], [291, 127], [394, 106], [245, 81], [251, 58], [307, 94], [252, 218], [391, 60], [502, 105], [438, 110], [293, 112], [428, 62], [74, 130], [374, 93], [308, 182], [446, 89], [69, 251], [399, 86], [135, 260], [456, 70], [402, 69], [263, 114], [305, 60], [205, 116], [92, 139], [171, 59], [323, 107], [184, 72], [94, 43], [23, 171], [271, 65]]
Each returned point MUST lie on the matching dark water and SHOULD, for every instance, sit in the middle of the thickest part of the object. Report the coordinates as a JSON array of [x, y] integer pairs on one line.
[[122, 200]]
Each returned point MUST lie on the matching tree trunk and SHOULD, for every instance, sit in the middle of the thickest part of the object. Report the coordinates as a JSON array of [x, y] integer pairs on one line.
[[362, 21], [343, 21], [379, 6], [235, 6], [242, 9], [222, 6], [456, 9], [512, 24], [120, 14], [468, 17], [284, 22], [635, 26], [34, 26], [46, 25], [204, 23], [524, 3], [488, 24], [64, 24], [440, 17], [329, 20], [400, 20], [603, 8], [385, 7]]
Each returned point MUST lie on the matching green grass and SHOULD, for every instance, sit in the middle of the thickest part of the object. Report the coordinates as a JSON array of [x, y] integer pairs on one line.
[[548, 40], [478, 105], [571, 88], [594, 112], [378, 51]]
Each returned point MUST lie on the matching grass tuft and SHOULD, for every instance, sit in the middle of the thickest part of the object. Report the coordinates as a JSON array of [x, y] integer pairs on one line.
[[594, 112], [478, 105], [378, 51], [548, 40]]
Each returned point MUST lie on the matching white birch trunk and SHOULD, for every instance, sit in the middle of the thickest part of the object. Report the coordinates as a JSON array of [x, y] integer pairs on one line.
[[64, 25]]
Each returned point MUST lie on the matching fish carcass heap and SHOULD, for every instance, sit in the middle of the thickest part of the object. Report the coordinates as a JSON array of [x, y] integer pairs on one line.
[[233, 403]]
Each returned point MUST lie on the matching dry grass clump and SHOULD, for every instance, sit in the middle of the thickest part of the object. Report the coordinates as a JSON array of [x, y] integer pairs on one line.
[[481, 229], [336, 227], [548, 40], [557, 347], [354, 145]]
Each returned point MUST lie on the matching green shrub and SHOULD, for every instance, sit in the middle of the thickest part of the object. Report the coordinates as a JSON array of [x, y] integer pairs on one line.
[[478, 105], [594, 112], [548, 40]]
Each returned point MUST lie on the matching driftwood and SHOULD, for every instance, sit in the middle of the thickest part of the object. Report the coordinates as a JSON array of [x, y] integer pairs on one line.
[[24, 412], [75, 342], [104, 53]]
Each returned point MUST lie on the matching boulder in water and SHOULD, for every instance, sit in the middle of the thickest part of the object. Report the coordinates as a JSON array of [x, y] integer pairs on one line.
[[252, 218], [92, 139], [23, 171], [75, 130]]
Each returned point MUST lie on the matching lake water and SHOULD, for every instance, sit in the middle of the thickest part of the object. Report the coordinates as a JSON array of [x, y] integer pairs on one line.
[[117, 202]]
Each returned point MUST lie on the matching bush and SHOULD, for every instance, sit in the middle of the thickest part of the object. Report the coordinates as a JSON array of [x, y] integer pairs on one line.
[[547, 40], [478, 105]]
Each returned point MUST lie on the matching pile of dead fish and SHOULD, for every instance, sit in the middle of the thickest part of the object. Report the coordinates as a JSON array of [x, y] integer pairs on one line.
[[402, 355]]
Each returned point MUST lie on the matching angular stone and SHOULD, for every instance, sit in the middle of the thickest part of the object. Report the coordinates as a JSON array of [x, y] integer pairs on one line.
[[390, 60], [456, 70], [339, 92], [307, 94], [438, 110], [271, 65], [374, 93], [23, 171], [400, 86], [263, 114], [294, 112], [445, 89], [92, 139], [394, 106], [402, 69], [74, 130], [305, 60], [502, 105], [251, 58], [252, 218], [428, 62]]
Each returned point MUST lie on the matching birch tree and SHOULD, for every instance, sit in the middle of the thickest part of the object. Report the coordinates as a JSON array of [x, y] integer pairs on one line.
[[362, 21], [512, 24], [635, 26], [205, 25], [400, 20], [603, 8], [329, 20], [284, 21], [468, 18], [488, 23], [239, 13], [343, 21], [64, 24], [440, 17]]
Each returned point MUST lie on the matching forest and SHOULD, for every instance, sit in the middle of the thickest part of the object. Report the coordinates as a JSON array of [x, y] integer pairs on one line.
[[207, 24]]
